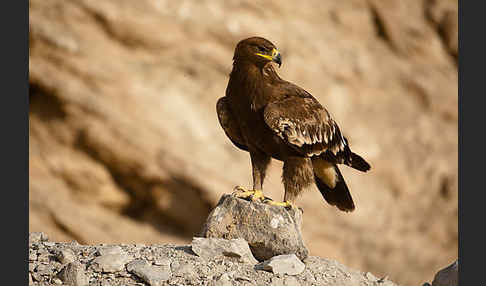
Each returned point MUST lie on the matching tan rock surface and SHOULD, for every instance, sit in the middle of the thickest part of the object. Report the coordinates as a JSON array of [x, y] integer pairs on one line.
[[125, 145]]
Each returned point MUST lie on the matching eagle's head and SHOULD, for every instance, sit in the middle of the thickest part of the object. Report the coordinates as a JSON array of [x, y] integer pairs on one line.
[[258, 51]]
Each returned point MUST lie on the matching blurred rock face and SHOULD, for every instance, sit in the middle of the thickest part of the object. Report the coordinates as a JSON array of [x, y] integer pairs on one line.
[[125, 145]]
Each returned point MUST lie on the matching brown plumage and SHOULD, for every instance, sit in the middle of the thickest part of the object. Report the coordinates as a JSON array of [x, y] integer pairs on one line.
[[273, 118]]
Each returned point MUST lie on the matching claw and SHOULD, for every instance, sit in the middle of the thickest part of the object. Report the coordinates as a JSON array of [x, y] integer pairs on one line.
[[238, 189], [257, 195], [254, 195]]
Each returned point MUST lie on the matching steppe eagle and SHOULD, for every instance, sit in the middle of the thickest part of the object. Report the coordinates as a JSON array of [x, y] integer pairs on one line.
[[272, 118]]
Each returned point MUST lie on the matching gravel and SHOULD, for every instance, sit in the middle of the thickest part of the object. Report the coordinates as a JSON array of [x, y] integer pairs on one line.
[[167, 264]]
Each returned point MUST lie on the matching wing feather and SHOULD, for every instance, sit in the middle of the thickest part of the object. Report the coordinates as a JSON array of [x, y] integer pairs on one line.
[[229, 125], [302, 122]]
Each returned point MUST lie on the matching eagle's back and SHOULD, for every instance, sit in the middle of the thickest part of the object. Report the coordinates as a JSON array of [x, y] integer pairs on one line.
[[282, 119]]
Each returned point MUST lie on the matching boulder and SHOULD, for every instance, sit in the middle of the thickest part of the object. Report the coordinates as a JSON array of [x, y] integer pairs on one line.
[[447, 276], [269, 230], [214, 247]]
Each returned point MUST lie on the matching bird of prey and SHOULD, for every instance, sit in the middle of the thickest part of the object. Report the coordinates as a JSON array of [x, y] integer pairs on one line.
[[272, 118]]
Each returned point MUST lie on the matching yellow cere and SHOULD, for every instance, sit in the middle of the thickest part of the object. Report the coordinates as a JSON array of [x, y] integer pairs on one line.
[[274, 54], [264, 56]]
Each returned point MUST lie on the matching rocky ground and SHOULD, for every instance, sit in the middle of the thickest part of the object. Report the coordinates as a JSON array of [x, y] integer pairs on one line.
[[125, 145], [54, 263], [273, 255]]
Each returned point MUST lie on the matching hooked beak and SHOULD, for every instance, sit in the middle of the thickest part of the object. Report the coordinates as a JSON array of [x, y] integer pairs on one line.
[[276, 57]]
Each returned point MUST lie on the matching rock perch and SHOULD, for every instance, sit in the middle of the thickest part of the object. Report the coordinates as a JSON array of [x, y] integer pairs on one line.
[[269, 230]]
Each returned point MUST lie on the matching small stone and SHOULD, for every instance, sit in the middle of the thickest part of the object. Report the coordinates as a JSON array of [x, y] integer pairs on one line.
[[36, 277], [43, 258], [112, 262], [36, 237], [162, 262], [32, 256], [124, 274], [371, 277], [42, 251], [66, 256], [291, 281], [186, 270], [73, 275], [41, 268], [112, 249], [276, 281], [447, 276], [242, 278], [383, 279], [30, 280], [153, 275], [57, 281], [283, 264], [85, 252], [211, 248], [223, 280], [45, 269], [175, 265]]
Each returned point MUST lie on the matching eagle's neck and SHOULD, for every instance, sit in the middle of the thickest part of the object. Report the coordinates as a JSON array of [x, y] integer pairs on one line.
[[246, 72], [271, 75], [246, 81]]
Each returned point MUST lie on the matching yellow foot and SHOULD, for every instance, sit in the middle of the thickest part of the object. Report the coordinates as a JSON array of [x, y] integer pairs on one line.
[[285, 204], [254, 195]]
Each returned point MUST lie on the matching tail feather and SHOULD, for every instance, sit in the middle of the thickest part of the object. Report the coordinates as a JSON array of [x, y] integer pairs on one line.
[[338, 195], [358, 163], [354, 160], [348, 158]]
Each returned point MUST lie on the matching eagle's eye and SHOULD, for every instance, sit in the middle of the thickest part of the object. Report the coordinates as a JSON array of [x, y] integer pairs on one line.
[[261, 49]]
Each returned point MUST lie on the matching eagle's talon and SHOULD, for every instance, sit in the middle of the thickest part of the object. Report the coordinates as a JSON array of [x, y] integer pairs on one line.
[[266, 200], [253, 195], [289, 205], [286, 204], [257, 195], [238, 189]]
